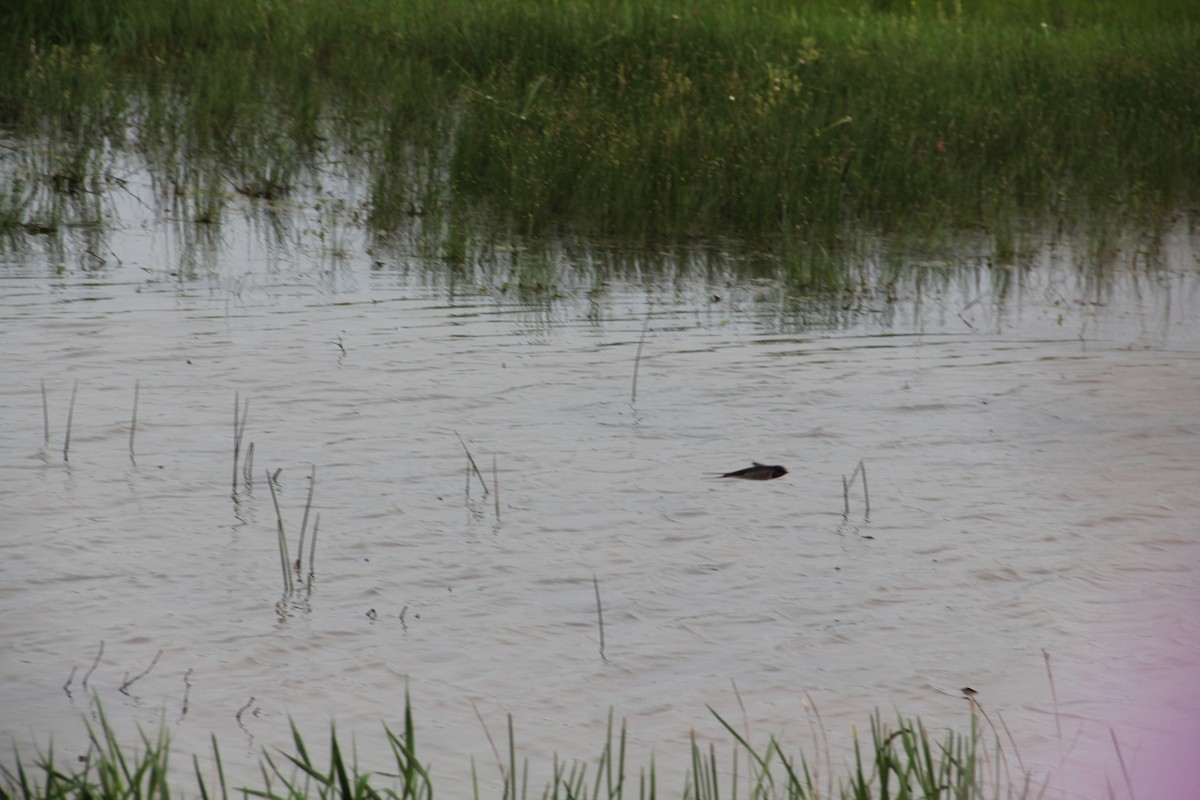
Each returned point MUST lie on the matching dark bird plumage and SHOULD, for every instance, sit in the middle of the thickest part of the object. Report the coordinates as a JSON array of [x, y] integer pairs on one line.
[[758, 472]]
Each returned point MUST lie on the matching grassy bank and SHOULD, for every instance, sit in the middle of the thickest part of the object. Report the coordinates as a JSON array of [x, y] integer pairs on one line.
[[781, 121], [902, 760]]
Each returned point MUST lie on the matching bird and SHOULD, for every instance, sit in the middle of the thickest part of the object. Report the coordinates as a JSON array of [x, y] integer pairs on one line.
[[758, 472]]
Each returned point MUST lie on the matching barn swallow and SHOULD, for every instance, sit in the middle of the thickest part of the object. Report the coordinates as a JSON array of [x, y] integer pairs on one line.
[[758, 472]]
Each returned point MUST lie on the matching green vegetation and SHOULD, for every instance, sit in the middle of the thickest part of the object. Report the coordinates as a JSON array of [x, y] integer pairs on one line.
[[901, 762], [783, 122]]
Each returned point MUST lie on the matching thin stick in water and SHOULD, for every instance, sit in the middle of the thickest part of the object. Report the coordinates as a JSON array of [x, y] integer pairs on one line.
[[187, 690], [283, 553], [130, 681], [45, 417], [866, 495], [312, 484], [248, 466], [137, 387], [243, 710], [237, 443], [846, 494], [474, 466], [599, 615], [95, 663], [239, 431], [637, 359], [70, 417], [491, 741], [496, 487], [71, 677], [1121, 761], [1054, 698], [312, 549]]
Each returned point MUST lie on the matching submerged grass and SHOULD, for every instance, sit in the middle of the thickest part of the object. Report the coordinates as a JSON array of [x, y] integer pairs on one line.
[[795, 123], [901, 760]]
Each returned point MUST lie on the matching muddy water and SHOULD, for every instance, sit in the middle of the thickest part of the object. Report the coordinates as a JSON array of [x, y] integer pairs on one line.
[[1031, 469]]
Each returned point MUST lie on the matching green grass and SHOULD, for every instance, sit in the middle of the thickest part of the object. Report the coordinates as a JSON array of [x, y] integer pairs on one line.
[[796, 124], [897, 761]]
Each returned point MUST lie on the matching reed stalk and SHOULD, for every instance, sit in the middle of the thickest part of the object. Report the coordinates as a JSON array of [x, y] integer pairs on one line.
[[496, 487], [137, 386], [127, 682], [283, 548], [70, 417], [473, 466], [312, 550], [599, 615], [312, 484], [95, 663], [637, 359], [239, 432], [45, 417]]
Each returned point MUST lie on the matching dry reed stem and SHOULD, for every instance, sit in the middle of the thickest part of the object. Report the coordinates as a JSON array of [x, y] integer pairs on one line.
[[599, 615], [137, 388], [248, 466], [1121, 761], [637, 359], [312, 550], [492, 742], [187, 690], [496, 487], [312, 484], [239, 432], [95, 663], [130, 681], [859, 469], [243, 710], [70, 418], [45, 417], [474, 467], [283, 553]]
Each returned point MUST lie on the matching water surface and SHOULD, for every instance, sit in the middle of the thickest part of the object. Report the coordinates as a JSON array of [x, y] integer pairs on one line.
[[1031, 462]]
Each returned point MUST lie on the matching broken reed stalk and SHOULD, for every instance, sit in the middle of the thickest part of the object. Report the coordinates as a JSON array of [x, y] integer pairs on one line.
[[239, 430], [243, 710], [496, 487], [637, 360], [312, 484], [45, 417], [599, 615], [1121, 761], [70, 417], [248, 466], [491, 741], [312, 549], [130, 681], [859, 469], [187, 690], [95, 663], [137, 387], [283, 553], [866, 494], [474, 466]]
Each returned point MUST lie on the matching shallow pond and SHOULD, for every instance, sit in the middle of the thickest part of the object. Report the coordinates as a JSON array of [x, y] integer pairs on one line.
[[1031, 464]]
